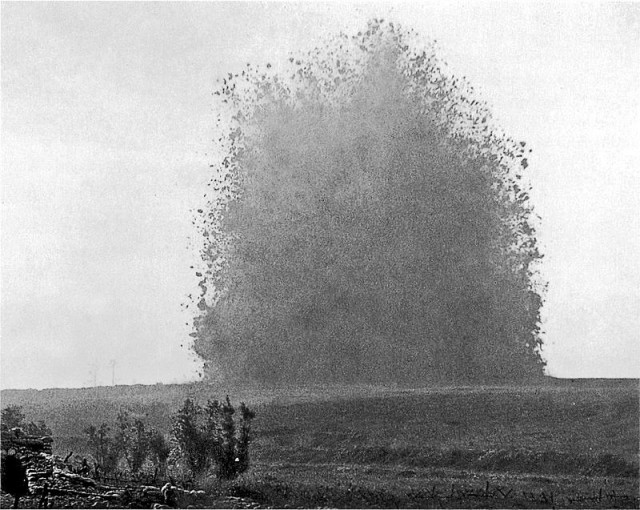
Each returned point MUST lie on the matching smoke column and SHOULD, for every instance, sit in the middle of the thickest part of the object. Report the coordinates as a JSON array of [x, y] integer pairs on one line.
[[367, 221]]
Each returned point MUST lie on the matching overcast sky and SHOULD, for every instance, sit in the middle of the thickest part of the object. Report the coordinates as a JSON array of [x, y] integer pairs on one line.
[[107, 123]]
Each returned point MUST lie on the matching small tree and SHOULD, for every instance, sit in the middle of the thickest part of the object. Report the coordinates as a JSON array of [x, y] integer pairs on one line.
[[222, 440], [190, 438], [159, 451], [103, 447], [207, 436], [244, 438], [12, 416], [132, 441]]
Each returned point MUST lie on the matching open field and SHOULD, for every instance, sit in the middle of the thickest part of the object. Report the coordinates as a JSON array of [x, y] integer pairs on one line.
[[558, 443]]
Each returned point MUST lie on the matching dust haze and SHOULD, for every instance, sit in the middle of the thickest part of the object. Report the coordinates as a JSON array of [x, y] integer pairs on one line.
[[367, 221]]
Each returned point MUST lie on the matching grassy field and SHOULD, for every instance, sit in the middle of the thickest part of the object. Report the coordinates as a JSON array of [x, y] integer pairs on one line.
[[558, 443]]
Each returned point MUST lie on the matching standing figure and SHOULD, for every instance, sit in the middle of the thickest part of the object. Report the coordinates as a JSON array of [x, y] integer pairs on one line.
[[14, 477]]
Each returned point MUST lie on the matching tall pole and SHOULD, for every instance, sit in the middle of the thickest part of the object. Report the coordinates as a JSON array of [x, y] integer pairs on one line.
[[113, 372]]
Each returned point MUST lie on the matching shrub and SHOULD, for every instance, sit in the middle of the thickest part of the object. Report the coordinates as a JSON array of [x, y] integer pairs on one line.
[[103, 448], [208, 436], [132, 441], [244, 438], [13, 416], [159, 451], [190, 438]]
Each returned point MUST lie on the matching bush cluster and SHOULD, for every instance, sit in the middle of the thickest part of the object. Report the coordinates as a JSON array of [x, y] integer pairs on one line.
[[208, 436], [132, 443], [14, 417], [202, 438]]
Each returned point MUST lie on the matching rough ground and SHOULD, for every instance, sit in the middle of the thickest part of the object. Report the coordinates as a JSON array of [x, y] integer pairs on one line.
[[563, 444]]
